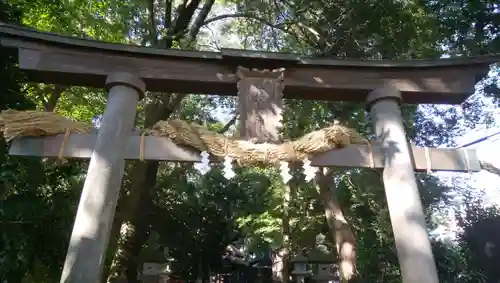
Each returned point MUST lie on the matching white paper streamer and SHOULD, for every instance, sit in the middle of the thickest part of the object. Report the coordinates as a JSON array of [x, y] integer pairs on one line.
[[309, 171], [228, 168], [285, 172], [204, 166]]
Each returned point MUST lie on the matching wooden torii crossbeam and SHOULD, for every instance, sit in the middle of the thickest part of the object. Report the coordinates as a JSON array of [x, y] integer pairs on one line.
[[163, 149], [51, 58], [127, 70]]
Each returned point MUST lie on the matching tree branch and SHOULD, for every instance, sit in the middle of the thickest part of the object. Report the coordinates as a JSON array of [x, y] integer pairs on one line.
[[280, 26], [163, 109], [185, 13], [340, 229], [228, 125], [42, 98], [168, 14], [198, 22], [247, 16], [51, 103], [176, 102], [487, 166], [152, 23]]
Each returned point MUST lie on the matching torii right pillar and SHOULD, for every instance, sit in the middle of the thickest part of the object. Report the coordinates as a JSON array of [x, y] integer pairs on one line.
[[405, 208]]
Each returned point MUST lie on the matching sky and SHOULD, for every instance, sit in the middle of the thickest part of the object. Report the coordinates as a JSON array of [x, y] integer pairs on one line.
[[488, 150]]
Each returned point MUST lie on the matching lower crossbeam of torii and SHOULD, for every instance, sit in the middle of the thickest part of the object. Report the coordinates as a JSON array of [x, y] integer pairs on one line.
[[127, 71], [138, 147]]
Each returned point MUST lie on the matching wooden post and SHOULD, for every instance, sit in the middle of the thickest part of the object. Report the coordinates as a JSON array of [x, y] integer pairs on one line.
[[260, 102], [403, 199], [89, 239]]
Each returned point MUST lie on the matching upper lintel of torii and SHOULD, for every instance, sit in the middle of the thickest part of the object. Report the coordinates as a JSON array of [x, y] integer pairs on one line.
[[51, 58]]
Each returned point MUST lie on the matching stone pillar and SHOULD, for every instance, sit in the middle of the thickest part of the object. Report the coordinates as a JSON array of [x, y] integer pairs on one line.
[[89, 239], [405, 208]]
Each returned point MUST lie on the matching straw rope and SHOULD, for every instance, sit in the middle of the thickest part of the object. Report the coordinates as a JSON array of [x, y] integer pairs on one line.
[[16, 124], [246, 153]]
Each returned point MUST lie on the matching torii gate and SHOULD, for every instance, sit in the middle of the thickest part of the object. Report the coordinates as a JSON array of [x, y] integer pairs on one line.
[[128, 70]]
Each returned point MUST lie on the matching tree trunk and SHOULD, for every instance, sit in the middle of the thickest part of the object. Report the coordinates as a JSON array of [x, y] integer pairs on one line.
[[138, 221], [281, 265], [340, 229], [490, 167], [51, 103]]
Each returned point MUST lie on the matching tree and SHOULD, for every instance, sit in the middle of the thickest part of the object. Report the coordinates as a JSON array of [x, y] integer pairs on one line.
[[36, 197]]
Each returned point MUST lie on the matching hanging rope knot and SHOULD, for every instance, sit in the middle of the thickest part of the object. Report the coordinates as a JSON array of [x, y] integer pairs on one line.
[[141, 146], [428, 160], [370, 149], [266, 153], [60, 155], [467, 160]]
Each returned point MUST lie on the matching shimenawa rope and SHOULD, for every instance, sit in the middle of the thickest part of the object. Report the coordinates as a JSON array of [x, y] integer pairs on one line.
[[16, 124]]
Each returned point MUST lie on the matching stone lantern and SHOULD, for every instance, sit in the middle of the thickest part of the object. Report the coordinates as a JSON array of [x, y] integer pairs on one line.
[[322, 264], [316, 265], [300, 269], [264, 269], [157, 268]]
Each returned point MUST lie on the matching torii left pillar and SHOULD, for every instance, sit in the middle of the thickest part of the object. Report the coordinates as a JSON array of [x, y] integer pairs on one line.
[[89, 239]]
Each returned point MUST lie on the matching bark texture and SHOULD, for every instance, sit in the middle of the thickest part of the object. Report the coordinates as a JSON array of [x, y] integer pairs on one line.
[[345, 240]]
